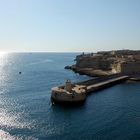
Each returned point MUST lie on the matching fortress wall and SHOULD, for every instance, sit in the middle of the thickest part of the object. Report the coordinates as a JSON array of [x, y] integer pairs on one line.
[[130, 67], [95, 63], [123, 62], [87, 63], [105, 64]]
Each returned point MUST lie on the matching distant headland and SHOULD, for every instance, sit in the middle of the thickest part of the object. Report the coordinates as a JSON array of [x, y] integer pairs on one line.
[[105, 63]]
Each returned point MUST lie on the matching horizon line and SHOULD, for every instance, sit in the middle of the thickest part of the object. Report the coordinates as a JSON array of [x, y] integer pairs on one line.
[[65, 51]]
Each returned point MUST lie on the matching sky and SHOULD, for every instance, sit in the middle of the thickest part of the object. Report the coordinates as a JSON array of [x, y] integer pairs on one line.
[[69, 25]]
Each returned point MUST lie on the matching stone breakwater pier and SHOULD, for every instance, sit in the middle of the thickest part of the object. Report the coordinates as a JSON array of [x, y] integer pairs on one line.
[[105, 83], [77, 92]]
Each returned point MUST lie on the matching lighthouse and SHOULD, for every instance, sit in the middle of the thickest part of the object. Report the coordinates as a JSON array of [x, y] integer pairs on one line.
[[68, 86]]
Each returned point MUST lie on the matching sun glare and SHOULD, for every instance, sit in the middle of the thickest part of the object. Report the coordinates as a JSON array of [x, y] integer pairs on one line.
[[2, 53]]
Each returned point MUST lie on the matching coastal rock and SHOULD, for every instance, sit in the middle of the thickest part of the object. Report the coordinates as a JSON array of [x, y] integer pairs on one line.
[[107, 63], [68, 67]]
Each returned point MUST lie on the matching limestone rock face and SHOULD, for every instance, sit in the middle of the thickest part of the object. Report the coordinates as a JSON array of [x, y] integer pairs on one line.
[[108, 62]]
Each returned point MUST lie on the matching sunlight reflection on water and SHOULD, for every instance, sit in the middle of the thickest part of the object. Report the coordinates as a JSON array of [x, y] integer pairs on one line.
[[6, 136], [3, 55], [9, 120]]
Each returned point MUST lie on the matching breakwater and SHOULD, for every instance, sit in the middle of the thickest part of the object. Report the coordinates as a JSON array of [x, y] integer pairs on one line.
[[102, 83], [105, 84], [72, 93]]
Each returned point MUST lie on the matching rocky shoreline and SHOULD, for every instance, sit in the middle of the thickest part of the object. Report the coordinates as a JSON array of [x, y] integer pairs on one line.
[[99, 73], [100, 64], [89, 71]]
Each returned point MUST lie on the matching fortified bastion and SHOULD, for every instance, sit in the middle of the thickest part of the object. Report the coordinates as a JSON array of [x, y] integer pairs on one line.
[[108, 62]]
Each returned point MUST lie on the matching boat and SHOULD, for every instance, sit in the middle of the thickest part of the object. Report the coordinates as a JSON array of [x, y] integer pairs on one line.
[[68, 94]]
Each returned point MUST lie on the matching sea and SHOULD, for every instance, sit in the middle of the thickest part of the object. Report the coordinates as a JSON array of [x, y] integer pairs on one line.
[[26, 112]]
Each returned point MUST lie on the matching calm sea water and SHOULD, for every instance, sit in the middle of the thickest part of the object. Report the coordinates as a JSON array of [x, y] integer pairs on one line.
[[26, 112]]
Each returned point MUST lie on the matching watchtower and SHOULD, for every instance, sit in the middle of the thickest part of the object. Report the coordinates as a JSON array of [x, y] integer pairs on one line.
[[68, 86]]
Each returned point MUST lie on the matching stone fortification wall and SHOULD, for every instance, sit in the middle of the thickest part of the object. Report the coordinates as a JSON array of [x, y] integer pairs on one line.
[[87, 62], [96, 62], [120, 61], [130, 67]]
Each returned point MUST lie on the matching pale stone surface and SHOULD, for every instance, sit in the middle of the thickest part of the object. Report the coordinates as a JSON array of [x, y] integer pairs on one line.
[[109, 62]]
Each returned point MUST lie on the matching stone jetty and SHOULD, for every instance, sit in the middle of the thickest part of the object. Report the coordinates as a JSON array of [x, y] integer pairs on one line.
[[76, 93]]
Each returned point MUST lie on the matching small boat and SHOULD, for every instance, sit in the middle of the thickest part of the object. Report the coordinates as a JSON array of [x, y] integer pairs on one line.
[[68, 94]]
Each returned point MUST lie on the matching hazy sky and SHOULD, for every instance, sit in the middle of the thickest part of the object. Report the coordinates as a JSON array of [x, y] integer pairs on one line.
[[69, 25]]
